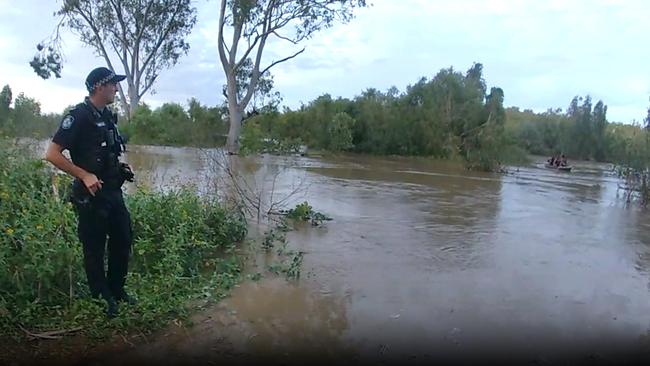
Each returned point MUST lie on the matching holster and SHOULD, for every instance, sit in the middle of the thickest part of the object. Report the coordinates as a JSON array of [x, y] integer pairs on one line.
[[118, 175], [80, 198]]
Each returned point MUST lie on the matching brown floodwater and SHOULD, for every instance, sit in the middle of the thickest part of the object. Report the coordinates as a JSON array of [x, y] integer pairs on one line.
[[424, 260]]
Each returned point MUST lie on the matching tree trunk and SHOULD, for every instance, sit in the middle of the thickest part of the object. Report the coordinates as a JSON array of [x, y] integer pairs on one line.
[[232, 144], [133, 99], [235, 113], [124, 105], [132, 106]]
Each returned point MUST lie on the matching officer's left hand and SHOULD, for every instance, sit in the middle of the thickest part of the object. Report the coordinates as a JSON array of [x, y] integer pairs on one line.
[[92, 183]]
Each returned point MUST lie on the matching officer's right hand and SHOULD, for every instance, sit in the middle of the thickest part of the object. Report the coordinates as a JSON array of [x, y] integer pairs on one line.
[[92, 183]]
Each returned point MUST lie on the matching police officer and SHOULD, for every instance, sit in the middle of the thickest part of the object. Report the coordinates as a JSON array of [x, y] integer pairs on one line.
[[89, 132]]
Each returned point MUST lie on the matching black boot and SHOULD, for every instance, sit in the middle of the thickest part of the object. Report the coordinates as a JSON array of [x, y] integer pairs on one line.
[[122, 296], [112, 309]]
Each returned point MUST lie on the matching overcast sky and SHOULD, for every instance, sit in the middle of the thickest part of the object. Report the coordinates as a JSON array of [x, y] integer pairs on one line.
[[541, 52]]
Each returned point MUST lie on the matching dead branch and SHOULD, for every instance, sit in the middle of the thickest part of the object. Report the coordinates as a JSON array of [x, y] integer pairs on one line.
[[281, 60], [254, 198], [53, 334]]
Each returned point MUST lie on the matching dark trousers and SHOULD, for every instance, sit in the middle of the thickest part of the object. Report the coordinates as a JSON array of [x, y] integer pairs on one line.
[[105, 215]]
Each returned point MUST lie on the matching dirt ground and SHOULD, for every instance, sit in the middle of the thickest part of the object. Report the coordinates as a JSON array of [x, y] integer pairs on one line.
[[215, 338], [259, 322]]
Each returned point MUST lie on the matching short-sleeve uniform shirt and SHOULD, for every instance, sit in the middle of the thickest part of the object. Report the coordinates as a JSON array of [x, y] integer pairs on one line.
[[81, 132]]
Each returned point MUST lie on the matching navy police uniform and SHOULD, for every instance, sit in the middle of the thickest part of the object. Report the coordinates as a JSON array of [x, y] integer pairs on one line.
[[94, 143]]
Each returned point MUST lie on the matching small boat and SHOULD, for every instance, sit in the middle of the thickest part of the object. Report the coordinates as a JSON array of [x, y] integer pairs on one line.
[[566, 168]]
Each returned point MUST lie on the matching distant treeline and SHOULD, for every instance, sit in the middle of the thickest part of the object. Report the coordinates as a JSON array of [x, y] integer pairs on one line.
[[22, 116], [582, 132], [451, 116], [170, 124]]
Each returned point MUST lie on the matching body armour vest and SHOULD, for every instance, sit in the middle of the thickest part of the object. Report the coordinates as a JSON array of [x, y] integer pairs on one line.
[[104, 144]]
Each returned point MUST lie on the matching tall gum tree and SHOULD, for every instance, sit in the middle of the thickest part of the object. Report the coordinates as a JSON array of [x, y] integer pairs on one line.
[[144, 37], [253, 24]]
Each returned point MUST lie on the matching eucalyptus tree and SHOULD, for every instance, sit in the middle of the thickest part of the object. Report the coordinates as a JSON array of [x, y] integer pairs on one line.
[[251, 26], [143, 37]]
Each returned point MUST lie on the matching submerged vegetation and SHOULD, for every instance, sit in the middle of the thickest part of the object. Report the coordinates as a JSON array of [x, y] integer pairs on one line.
[[276, 237], [304, 212]]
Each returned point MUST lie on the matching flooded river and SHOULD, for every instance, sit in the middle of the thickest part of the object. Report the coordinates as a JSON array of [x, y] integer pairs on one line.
[[424, 260]]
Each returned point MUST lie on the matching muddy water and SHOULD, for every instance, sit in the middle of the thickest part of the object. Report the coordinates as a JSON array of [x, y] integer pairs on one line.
[[424, 260]]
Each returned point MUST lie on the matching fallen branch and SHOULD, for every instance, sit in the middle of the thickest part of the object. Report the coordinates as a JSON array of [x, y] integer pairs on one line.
[[126, 340], [53, 334]]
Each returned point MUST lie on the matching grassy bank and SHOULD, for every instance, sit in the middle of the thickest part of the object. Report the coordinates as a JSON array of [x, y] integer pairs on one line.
[[184, 250]]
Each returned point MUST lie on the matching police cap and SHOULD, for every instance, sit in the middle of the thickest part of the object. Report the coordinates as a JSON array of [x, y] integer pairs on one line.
[[101, 76]]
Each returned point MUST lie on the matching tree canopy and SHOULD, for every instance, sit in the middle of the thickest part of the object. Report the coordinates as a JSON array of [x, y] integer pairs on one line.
[[142, 37]]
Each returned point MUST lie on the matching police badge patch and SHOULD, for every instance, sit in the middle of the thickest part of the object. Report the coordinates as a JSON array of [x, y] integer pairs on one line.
[[67, 122]]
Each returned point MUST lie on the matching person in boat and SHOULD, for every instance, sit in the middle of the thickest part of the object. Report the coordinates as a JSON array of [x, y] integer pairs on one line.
[[551, 161], [563, 161]]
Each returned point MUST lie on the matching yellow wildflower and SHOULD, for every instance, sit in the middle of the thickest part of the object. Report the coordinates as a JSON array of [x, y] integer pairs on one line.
[[9, 231], [39, 227]]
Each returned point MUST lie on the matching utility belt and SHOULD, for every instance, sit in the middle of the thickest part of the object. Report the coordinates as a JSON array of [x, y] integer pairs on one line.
[[81, 197]]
